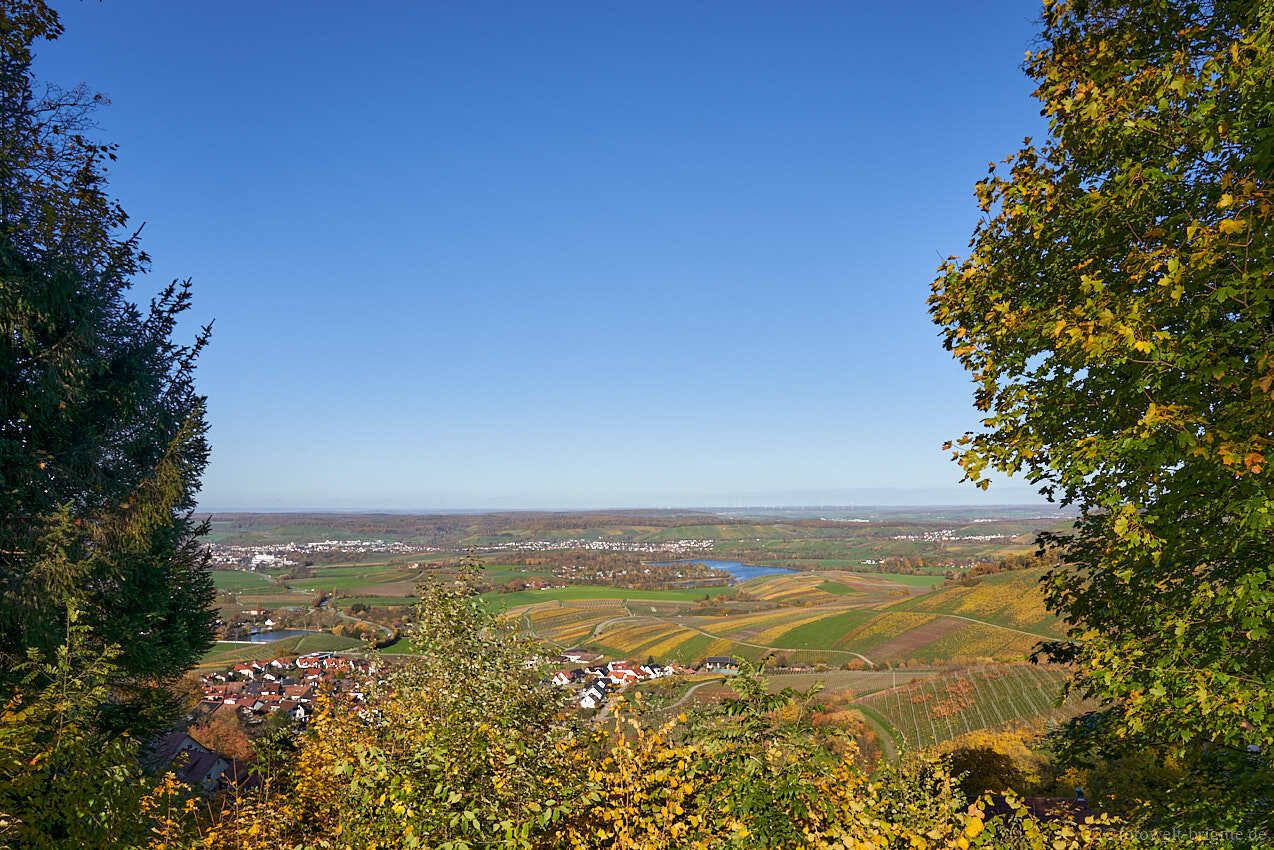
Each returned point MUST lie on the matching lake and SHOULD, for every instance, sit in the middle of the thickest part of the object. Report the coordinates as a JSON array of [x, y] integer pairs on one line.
[[738, 570]]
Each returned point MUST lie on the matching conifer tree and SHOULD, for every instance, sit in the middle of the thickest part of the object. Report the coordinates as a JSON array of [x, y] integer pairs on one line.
[[102, 432]]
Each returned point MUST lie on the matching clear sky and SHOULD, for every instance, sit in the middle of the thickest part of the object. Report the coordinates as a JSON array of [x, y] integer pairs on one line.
[[562, 254]]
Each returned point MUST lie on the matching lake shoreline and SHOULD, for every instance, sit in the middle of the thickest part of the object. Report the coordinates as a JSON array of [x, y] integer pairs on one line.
[[739, 571]]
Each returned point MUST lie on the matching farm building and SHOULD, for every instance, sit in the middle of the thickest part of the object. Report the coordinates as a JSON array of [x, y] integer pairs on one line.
[[721, 664]]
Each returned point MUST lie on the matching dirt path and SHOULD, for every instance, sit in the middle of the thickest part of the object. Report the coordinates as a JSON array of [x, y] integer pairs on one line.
[[597, 629], [888, 746], [530, 629]]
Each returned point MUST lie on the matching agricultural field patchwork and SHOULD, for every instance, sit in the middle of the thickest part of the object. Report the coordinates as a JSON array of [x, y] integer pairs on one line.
[[824, 587], [369, 580], [566, 624], [802, 587], [790, 614], [829, 616], [836, 686]]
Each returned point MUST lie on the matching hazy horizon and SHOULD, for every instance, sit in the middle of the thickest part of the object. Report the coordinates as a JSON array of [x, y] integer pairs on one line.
[[866, 499]]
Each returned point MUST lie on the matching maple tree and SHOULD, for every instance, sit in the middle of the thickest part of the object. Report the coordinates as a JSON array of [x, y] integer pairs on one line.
[[1115, 314]]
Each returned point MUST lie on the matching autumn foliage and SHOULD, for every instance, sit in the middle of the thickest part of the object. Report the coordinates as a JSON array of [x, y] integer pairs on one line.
[[1116, 314]]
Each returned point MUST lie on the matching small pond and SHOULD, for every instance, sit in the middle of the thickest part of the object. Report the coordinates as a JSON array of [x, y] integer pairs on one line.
[[279, 634]]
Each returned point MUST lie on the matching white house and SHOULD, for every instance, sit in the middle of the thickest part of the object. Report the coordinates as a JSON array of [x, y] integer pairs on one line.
[[593, 696]]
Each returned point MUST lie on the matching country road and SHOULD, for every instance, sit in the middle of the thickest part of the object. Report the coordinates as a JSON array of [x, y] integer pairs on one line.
[[604, 711], [690, 691]]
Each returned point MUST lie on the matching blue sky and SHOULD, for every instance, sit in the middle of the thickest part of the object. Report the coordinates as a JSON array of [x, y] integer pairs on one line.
[[562, 255]]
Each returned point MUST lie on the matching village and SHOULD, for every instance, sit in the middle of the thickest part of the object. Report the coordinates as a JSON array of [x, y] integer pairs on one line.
[[594, 682], [274, 555], [283, 691], [672, 547], [253, 693], [280, 555], [258, 689]]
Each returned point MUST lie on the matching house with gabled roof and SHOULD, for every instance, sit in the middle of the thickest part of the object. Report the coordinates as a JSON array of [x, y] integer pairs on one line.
[[246, 671]]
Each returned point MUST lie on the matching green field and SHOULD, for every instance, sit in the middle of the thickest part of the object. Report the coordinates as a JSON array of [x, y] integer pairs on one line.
[[823, 633], [498, 602], [361, 578], [836, 588], [277, 599], [402, 646], [372, 601], [692, 650], [242, 581]]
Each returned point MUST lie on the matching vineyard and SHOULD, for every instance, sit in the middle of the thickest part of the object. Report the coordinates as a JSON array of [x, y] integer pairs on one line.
[[928, 711], [1011, 599]]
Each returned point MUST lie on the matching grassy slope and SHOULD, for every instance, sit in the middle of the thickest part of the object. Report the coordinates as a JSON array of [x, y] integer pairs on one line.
[[837, 589]]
